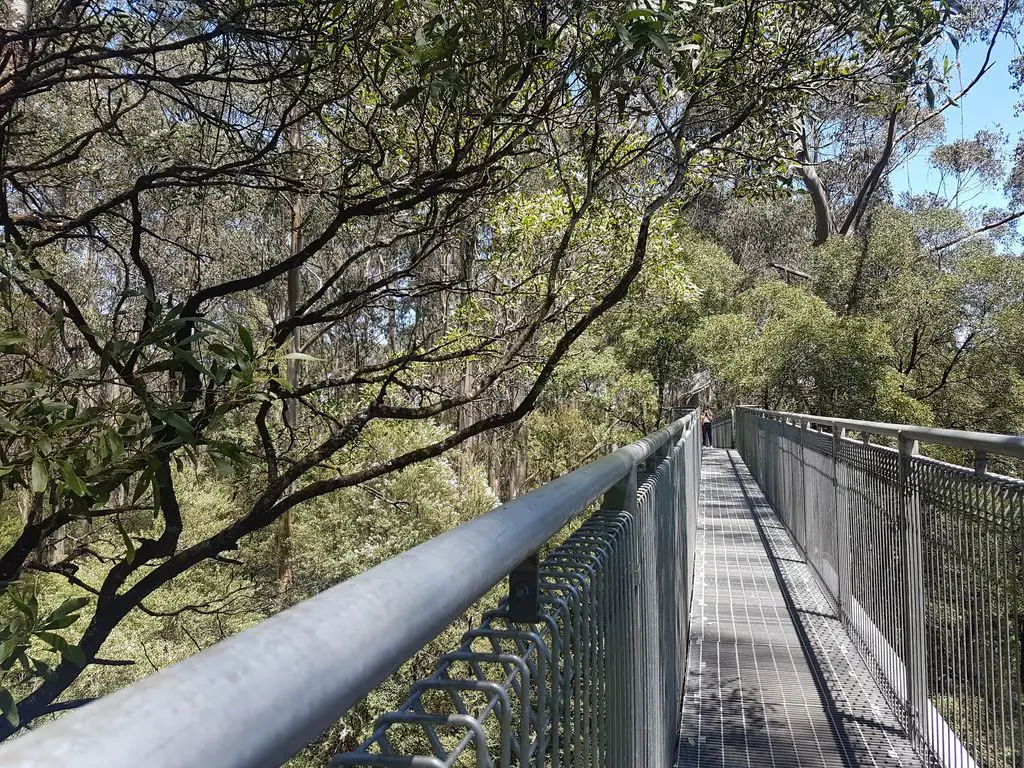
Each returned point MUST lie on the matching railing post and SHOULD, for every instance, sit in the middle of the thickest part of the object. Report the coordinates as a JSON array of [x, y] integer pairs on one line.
[[658, 455], [980, 463], [914, 640], [844, 588], [807, 496], [625, 673], [524, 592]]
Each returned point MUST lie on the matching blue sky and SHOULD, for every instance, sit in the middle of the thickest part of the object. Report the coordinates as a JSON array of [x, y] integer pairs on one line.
[[990, 103]]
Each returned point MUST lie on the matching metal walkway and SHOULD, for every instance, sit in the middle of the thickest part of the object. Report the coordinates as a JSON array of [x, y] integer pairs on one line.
[[773, 679], [585, 662]]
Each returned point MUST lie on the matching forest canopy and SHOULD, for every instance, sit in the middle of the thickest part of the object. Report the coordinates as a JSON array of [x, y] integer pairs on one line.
[[287, 288]]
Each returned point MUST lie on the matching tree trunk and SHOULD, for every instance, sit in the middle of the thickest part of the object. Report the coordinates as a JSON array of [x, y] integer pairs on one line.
[[284, 568], [494, 466], [819, 199], [808, 172], [21, 14]]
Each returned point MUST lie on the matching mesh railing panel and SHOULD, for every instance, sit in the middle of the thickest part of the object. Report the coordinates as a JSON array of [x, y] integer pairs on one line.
[[722, 431], [868, 490], [973, 577], [925, 563], [598, 680]]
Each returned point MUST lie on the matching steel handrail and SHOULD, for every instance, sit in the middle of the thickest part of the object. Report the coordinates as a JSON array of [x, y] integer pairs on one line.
[[984, 442], [258, 697]]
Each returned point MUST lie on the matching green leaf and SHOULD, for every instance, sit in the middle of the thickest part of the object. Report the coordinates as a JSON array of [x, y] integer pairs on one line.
[[512, 70], [406, 96], [156, 498], [246, 338], [11, 343], [67, 651], [42, 669], [8, 707], [929, 95], [222, 464], [176, 422], [129, 545], [40, 475], [223, 350], [170, 364], [659, 42], [23, 606], [114, 443], [69, 606], [8, 647], [639, 13], [12, 337], [232, 450], [624, 35], [183, 354], [300, 356], [143, 483], [61, 622], [73, 481]]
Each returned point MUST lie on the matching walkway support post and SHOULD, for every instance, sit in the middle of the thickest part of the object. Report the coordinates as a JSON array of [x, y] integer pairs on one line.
[[844, 587], [807, 488], [914, 641], [625, 672]]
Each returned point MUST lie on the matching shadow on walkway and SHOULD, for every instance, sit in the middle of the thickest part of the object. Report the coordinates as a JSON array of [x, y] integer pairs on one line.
[[772, 679]]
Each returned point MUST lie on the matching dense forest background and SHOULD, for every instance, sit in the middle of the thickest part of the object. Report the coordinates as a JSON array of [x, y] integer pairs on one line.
[[288, 288]]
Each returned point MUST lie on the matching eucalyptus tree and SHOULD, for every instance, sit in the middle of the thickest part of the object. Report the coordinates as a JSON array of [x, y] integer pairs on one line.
[[952, 314], [146, 171], [851, 138]]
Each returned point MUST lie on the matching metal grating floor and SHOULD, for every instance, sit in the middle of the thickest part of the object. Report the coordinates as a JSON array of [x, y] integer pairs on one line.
[[773, 679]]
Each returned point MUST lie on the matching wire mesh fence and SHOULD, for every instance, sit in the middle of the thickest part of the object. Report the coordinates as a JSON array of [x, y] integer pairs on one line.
[[597, 680], [582, 666], [722, 431], [924, 562]]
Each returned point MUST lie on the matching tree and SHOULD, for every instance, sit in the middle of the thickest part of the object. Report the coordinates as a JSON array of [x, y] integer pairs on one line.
[[688, 278], [950, 313], [848, 143], [784, 349], [152, 306]]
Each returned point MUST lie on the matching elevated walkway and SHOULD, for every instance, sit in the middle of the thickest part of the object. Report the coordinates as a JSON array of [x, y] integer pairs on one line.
[[773, 680], [679, 621]]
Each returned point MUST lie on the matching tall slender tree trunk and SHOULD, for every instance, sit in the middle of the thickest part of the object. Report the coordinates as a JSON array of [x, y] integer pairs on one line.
[[520, 460], [21, 13], [293, 372], [472, 410], [494, 466]]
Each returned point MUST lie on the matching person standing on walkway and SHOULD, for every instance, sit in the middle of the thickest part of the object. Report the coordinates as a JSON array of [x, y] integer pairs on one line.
[[705, 425]]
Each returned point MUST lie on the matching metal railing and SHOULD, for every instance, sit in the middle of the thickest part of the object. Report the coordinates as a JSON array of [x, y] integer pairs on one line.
[[722, 431], [582, 665], [924, 563]]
